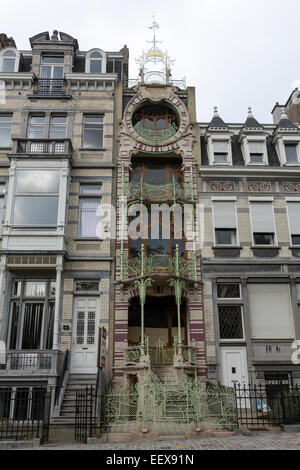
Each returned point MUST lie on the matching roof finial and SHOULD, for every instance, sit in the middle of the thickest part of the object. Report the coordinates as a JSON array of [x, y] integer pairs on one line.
[[216, 113], [54, 36], [283, 114], [250, 114]]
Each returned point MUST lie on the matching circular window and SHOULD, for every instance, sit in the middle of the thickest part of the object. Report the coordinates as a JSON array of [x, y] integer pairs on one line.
[[155, 122]]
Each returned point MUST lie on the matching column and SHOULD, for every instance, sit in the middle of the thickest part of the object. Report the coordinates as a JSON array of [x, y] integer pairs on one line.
[[59, 270]]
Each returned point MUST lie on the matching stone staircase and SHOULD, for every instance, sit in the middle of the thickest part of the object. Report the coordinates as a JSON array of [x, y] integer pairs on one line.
[[67, 411]]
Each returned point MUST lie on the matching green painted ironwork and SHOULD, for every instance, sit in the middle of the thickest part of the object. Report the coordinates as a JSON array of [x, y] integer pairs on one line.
[[158, 264], [158, 135], [133, 355], [155, 403], [179, 286], [159, 192], [161, 355]]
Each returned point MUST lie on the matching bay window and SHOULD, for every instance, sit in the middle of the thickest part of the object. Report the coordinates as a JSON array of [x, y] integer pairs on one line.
[[36, 199]]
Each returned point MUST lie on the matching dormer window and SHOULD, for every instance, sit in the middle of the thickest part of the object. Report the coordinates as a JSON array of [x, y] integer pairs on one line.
[[219, 150], [255, 150], [95, 62], [9, 60]]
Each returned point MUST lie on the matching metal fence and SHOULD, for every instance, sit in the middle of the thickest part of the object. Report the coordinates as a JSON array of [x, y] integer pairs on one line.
[[274, 404], [24, 413], [86, 415]]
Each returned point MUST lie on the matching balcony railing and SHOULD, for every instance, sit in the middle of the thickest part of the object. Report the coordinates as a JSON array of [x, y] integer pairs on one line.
[[31, 362], [159, 192], [163, 264], [42, 147], [160, 354], [158, 135], [50, 86]]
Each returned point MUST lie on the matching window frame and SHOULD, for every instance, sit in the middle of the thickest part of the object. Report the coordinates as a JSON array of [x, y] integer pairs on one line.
[[88, 60], [87, 196], [101, 127], [47, 125], [291, 201], [11, 116], [264, 200], [246, 140], [211, 140], [236, 228], [241, 307], [222, 299], [17, 59]]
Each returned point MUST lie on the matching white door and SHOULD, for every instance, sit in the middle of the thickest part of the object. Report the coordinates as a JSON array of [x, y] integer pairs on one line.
[[234, 366], [85, 336]]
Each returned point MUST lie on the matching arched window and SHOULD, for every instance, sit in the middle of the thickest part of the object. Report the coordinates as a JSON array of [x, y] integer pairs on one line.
[[95, 62], [9, 60]]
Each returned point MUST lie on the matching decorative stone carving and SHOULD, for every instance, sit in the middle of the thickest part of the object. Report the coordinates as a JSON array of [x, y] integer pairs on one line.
[[260, 186], [291, 187], [225, 186]]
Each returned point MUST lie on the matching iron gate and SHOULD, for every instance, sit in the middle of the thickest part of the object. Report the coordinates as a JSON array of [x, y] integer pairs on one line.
[[86, 414]]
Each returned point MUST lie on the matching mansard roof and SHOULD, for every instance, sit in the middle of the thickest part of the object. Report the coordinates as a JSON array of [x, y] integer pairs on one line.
[[217, 122], [251, 122]]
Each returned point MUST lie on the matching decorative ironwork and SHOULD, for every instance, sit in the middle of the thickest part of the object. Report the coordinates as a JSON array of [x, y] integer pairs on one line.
[[50, 86], [132, 355], [161, 355], [189, 354], [86, 421], [230, 320], [157, 264], [42, 147], [158, 135], [159, 192]]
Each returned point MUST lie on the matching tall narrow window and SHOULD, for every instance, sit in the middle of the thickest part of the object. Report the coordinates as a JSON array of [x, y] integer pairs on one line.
[[36, 127], [36, 199], [95, 62], [51, 75], [89, 210], [58, 127], [294, 220], [93, 132], [225, 222], [263, 224], [5, 130]]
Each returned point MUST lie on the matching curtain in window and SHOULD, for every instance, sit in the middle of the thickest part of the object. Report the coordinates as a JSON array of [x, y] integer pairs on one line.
[[33, 317], [89, 217]]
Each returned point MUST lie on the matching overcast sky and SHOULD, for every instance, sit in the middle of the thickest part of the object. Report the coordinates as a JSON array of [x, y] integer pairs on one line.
[[235, 52]]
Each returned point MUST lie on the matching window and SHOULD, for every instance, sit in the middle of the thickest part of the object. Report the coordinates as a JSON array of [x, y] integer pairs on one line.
[[225, 222], [93, 132], [86, 286], [95, 62], [220, 151], [270, 309], [256, 152], [291, 153], [36, 199], [115, 66], [89, 210], [5, 130], [231, 322], [22, 403], [9, 60], [229, 291], [32, 315], [2, 193], [263, 225], [58, 127], [294, 221], [36, 127]]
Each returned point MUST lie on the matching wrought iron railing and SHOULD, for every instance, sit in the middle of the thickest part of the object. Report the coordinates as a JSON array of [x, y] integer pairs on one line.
[[159, 192], [24, 362], [43, 147], [50, 86], [161, 355], [62, 377], [133, 355], [158, 135], [157, 264]]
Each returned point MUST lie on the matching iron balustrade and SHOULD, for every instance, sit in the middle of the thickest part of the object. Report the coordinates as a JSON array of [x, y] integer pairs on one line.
[[43, 147], [156, 135], [25, 413], [86, 420], [24, 362], [50, 86], [61, 377], [163, 264], [159, 192], [261, 406]]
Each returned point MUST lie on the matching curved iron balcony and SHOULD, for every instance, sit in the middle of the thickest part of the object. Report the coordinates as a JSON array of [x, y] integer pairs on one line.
[[159, 192], [163, 264], [155, 136]]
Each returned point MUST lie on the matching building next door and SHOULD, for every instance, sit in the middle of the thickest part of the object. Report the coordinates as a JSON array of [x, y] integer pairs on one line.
[[85, 336], [234, 368]]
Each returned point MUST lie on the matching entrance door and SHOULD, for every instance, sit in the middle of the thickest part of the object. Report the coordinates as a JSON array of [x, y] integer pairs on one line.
[[234, 366], [85, 336]]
